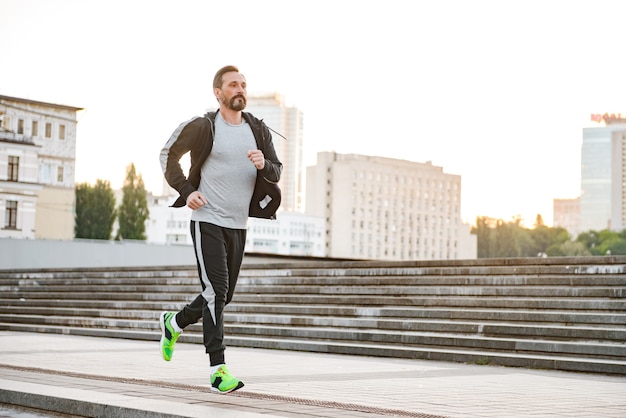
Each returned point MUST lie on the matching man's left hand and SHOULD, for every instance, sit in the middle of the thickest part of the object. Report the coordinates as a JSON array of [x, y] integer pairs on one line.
[[257, 158]]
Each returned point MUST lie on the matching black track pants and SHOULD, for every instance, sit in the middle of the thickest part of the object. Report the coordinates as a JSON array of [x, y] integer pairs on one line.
[[219, 253]]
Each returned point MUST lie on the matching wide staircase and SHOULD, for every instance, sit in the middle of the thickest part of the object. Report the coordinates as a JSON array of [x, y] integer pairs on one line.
[[548, 313]]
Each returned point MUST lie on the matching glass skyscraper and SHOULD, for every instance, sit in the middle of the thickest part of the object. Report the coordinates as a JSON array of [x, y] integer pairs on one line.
[[597, 176]]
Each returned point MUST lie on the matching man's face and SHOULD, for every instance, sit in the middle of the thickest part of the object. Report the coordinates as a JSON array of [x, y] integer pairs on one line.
[[233, 93]]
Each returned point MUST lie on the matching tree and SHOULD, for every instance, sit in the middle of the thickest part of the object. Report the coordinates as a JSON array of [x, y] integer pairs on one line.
[[603, 242], [616, 247], [497, 238], [591, 241], [611, 243], [567, 249], [82, 221], [95, 210], [545, 237], [133, 211], [484, 236], [506, 242]]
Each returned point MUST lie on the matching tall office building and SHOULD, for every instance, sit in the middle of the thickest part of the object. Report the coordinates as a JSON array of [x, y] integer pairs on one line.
[[288, 122], [602, 174], [387, 209], [37, 164]]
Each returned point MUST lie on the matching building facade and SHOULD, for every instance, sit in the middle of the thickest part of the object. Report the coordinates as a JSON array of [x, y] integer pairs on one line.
[[618, 179], [37, 169], [566, 214], [292, 233], [388, 209], [167, 225], [601, 198], [288, 122]]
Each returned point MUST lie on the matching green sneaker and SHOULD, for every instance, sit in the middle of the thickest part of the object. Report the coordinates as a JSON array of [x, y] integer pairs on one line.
[[168, 335], [224, 382]]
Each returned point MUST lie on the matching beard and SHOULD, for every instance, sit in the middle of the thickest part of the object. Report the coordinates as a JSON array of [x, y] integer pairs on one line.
[[237, 103]]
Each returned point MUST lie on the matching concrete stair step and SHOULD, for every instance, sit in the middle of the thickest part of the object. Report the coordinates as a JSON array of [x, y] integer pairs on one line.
[[539, 302], [458, 271], [552, 362], [602, 299], [565, 363], [430, 337], [436, 339], [617, 305], [561, 313], [517, 291], [128, 318], [127, 288], [324, 278], [511, 315], [96, 304], [598, 291], [512, 266], [518, 267], [119, 296], [526, 329], [453, 313], [482, 281]]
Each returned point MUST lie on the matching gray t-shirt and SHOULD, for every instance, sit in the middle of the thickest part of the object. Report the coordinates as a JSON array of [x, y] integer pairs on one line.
[[228, 176]]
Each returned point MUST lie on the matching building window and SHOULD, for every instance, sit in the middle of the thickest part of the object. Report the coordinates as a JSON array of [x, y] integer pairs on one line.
[[14, 168], [35, 128], [6, 123], [10, 217], [20, 126], [60, 174], [61, 131], [48, 130], [45, 173]]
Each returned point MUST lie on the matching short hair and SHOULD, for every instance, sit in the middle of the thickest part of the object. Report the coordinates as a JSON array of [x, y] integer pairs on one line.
[[217, 80]]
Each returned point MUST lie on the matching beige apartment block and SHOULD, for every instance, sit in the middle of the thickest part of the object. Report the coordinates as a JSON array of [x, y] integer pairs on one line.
[[566, 214], [37, 169], [388, 209]]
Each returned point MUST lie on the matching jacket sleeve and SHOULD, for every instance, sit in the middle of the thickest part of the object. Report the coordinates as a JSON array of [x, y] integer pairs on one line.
[[181, 142], [273, 167]]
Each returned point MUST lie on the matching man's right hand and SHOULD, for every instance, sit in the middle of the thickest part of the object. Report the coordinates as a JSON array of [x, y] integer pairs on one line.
[[196, 200]]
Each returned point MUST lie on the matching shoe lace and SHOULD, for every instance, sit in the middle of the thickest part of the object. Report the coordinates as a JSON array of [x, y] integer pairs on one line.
[[223, 371]]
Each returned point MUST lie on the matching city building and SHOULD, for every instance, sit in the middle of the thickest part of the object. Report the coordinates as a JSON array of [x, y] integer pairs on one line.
[[388, 209], [566, 214], [37, 166], [360, 207], [167, 225], [618, 178], [287, 124], [602, 174], [292, 233]]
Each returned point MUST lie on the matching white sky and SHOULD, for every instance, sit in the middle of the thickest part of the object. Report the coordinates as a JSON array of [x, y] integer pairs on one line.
[[495, 91]]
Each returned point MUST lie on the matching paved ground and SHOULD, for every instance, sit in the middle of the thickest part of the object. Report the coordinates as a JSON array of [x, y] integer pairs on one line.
[[90, 376]]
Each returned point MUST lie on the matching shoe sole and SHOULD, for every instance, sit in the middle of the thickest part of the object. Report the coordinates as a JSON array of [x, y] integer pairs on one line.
[[216, 390], [162, 326]]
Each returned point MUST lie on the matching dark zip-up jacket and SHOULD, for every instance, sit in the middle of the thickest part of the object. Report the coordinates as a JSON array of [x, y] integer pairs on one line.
[[196, 137]]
